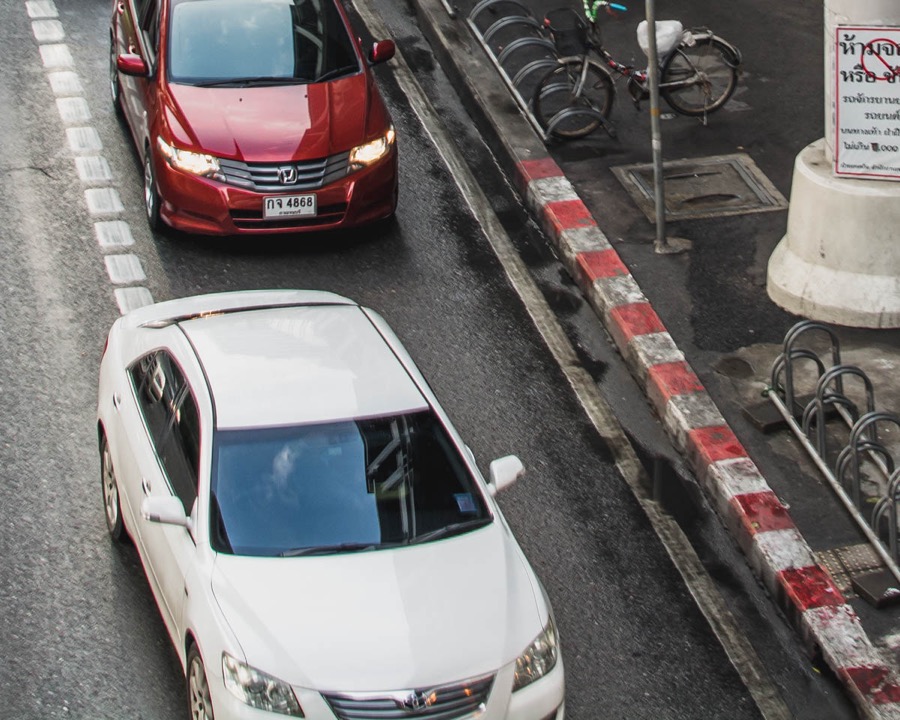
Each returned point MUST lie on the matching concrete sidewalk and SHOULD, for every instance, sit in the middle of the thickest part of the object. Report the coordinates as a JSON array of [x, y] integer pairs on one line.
[[697, 396]]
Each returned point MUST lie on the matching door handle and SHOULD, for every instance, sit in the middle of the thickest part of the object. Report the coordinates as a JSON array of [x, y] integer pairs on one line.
[[120, 8], [145, 486], [117, 400]]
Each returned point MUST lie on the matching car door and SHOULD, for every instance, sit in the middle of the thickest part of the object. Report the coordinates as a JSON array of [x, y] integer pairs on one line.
[[139, 93], [172, 420]]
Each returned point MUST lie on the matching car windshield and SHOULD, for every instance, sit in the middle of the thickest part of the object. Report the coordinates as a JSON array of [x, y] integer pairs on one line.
[[340, 487], [247, 42]]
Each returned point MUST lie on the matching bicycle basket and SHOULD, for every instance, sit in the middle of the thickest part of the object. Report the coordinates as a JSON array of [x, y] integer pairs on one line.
[[568, 30]]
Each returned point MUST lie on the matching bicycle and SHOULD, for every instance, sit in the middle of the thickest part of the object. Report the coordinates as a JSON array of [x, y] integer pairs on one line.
[[698, 72]]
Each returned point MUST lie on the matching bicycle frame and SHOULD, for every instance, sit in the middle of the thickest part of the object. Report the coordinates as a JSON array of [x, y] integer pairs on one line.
[[640, 77]]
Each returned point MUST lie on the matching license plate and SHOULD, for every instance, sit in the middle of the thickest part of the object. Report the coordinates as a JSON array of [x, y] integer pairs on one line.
[[279, 206]]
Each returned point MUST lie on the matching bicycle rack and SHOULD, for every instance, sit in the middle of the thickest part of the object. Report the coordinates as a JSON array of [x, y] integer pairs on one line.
[[864, 445], [521, 57]]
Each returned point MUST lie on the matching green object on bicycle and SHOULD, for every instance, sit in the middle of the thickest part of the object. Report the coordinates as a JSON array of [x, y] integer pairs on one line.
[[590, 10]]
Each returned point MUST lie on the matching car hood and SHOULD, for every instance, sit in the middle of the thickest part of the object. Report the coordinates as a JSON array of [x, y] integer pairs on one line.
[[271, 124], [387, 619]]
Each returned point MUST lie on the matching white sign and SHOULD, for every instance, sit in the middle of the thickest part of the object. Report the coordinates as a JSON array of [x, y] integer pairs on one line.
[[867, 100]]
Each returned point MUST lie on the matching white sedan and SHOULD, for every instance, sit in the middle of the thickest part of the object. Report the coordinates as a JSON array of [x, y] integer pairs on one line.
[[317, 536]]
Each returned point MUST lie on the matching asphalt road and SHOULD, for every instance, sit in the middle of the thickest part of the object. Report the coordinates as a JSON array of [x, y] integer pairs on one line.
[[80, 636]]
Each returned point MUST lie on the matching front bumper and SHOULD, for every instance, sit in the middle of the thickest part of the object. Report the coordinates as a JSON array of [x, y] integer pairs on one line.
[[542, 700], [203, 206]]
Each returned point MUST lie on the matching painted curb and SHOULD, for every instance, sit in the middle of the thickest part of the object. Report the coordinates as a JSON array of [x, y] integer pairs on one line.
[[752, 512]]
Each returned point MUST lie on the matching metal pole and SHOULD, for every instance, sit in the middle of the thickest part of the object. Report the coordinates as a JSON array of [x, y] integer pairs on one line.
[[661, 245], [655, 140]]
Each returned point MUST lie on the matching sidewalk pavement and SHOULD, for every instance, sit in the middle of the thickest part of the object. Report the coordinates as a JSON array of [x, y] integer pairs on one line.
[[573, 208]]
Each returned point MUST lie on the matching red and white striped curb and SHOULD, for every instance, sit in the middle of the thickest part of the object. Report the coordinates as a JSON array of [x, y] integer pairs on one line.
[[756, 517]]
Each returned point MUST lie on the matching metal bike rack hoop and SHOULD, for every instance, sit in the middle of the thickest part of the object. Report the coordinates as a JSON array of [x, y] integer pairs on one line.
[[508, 21]]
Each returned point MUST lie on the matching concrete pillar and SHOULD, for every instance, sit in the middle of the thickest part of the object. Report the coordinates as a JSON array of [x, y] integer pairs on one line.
[[839, 261]]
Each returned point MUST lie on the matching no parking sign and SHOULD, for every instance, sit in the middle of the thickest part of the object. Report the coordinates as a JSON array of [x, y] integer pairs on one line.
[[867, 101]]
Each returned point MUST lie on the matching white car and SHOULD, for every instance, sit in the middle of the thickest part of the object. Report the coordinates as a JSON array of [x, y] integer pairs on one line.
[[317, 536]]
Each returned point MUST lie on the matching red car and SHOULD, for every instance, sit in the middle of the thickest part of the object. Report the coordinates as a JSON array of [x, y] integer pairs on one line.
[[253, 116]]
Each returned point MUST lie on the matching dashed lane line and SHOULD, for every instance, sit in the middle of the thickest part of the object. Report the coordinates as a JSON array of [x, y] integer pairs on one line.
[[102, 200]]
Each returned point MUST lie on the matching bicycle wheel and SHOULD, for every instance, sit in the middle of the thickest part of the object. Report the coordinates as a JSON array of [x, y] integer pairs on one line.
[[700, 78], [583, 89]]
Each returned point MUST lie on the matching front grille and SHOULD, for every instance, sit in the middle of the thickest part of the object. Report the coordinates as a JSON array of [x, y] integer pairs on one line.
[[448, 702], [270, 177]]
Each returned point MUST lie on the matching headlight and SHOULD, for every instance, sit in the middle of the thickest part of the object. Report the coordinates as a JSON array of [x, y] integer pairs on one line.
[[187, 161], [364, 155], [538, 659], [259, 690]]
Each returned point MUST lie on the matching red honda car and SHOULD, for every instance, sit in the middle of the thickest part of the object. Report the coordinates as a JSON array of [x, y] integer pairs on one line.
[[253, 116]]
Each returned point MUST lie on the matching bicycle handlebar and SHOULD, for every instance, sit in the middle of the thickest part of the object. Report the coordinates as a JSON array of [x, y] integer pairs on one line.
[[591, 8]]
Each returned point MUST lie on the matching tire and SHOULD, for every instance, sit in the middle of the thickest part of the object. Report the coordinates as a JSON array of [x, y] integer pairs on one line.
[[115, 88], [198, 698], [151, 195], [713, 69], [561, 88], [110, 486]]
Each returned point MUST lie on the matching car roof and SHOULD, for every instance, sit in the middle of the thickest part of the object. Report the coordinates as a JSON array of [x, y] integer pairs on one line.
[[321, 362]]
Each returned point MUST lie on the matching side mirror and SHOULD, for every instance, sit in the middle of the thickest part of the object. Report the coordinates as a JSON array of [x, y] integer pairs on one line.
[[382, 51], [131, 64], [165, 509], [504, 472]]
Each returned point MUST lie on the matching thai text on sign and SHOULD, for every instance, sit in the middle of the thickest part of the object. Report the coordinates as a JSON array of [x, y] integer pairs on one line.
[[867, 100]]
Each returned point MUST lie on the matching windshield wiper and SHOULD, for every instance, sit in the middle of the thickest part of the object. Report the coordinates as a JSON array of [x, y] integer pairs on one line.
[[248, 81], [453, 529], [328, 549], [337, 72]]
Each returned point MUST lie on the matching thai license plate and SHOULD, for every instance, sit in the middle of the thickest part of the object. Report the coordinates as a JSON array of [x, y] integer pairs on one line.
[[279, 206]]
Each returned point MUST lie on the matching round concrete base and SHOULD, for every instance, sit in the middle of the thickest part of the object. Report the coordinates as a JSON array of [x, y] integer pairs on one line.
[[840, 259]]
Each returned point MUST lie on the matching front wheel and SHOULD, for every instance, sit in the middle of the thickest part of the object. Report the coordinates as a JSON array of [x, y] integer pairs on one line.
[[574, 98], [199, 700], [151, 195], [111, 503], [700, 78]]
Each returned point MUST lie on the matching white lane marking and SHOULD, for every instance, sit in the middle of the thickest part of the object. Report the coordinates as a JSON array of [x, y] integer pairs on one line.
[[132, 298], [65, 82], [41, 9], [48, 31], [124, 269], [113, 234], [93, 169], [83, 140], [73, 110], [103, 201], [56, 56]]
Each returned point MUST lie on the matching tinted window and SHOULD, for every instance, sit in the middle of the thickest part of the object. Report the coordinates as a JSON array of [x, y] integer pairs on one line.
[[353, 485], [170, 412], [149, 23], [232, 40]]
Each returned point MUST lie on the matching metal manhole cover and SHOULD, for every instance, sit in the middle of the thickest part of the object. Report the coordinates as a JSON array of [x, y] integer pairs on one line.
[[702, 188]]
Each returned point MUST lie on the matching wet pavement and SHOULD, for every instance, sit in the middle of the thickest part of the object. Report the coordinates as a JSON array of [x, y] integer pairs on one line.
[[712, 299]]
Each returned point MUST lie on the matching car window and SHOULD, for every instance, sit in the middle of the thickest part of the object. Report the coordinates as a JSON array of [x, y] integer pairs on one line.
[[221, 41], [170, 413], [351, 485], [149, 15]]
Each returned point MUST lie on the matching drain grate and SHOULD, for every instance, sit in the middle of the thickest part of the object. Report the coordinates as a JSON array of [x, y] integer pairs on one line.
[[703, 188], [858, 571]]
